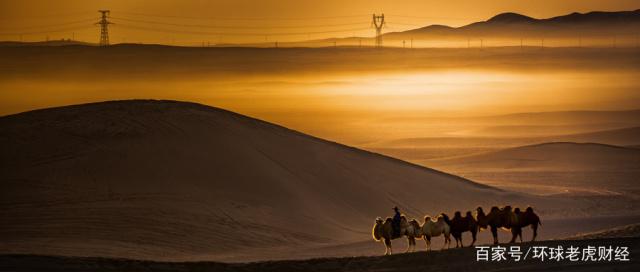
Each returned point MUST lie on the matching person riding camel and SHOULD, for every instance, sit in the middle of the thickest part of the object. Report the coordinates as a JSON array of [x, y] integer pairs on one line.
[[397, 218]]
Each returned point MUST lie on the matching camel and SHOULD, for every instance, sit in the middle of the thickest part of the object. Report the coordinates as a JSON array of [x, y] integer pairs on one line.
[[383, 230], [524, 219], [493, 220], [436, 228], [507, 219], [461, 224]]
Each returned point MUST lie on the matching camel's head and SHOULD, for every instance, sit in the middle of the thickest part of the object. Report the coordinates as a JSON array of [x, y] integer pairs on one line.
[[529, 210], [444, 216], [516, 210], [376, 231], [457, 214], [479, 209]]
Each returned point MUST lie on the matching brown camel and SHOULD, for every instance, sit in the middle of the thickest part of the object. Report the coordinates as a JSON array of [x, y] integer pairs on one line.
[[383, 230], [460, 225], [508, 219], [494, 220], [526, 218]]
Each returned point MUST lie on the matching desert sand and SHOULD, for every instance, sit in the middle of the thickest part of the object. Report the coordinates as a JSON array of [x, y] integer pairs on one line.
[[166, 180], [551, 168], [448, 260]]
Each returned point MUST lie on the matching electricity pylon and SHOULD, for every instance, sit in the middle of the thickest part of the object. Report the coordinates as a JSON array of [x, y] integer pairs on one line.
[[378, 23], [104, 31]]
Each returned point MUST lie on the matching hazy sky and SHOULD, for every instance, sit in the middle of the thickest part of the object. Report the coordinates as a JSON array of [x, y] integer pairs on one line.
[[195, 21]]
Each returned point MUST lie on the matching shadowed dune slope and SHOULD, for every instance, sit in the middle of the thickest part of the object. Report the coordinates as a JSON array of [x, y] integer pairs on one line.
[[166, 180]]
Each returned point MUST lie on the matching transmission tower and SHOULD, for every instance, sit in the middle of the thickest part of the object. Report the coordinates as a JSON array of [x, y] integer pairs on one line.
[[104, 30], [378, 23]]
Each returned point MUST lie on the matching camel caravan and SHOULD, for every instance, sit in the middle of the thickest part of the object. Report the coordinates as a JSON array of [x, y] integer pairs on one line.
[[506, 218]]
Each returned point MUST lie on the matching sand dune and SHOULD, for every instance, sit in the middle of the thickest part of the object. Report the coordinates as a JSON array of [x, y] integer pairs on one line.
[[424, 150], [622, 136], [171, 180], [632, 230], [554, 167], [559, 156]]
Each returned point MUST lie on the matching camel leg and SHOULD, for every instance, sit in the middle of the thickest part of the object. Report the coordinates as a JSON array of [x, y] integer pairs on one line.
[[427, 241], [514, 235], [494, 232], [426, 244], [534, 227], [387, 245], [474, 236], [447, 241], [520, 235], [413, 244]]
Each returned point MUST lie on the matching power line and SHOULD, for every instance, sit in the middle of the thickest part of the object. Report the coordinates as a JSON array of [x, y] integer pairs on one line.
[[405, 24], [244, 18], [66, 14], [54, 25], [431, 17], [234, 27], [236, 33], [45, 31]]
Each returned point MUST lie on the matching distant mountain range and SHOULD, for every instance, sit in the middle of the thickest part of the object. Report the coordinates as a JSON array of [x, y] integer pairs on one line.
[[508, 24]]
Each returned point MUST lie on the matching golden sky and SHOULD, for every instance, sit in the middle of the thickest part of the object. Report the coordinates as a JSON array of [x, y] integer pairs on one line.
[[196, 21]]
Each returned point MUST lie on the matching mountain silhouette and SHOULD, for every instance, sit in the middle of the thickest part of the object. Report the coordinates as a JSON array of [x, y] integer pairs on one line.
[[510, 24]]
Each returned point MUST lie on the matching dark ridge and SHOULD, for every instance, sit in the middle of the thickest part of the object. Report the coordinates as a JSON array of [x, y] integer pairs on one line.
[[575, 144], [510, 18]]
